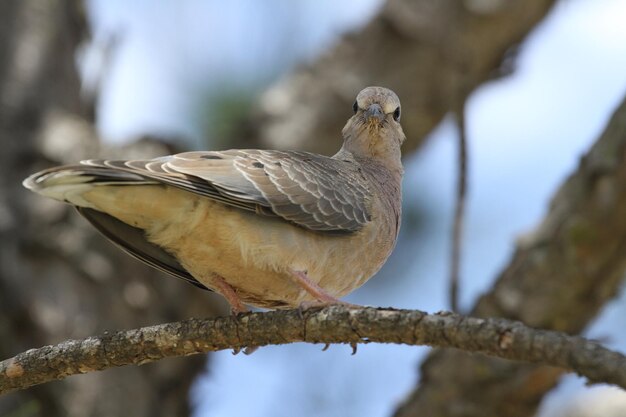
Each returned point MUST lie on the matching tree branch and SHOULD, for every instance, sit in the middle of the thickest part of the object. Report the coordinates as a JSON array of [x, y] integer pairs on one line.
[[335, 324], [429, 52]]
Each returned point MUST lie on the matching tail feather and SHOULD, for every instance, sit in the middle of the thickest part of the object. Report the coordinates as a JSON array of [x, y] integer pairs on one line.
[[76, 185], [68, 183]]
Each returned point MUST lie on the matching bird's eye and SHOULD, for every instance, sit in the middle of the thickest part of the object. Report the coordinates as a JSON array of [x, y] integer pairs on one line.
[[355, 107], [396, 114]]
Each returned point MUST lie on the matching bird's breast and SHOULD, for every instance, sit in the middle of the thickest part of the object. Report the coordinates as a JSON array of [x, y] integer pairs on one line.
[[256, 253]]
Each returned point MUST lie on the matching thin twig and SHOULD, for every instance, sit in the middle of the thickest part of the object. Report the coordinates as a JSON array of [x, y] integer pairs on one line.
[[459, 210], [335, 324]]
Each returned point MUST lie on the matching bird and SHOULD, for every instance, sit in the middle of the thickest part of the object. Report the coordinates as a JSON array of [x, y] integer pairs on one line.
[[263, 228]]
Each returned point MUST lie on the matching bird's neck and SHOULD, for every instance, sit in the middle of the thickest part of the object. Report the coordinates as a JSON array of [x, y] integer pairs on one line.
[[371, 149], [388, 184], [385, 175]]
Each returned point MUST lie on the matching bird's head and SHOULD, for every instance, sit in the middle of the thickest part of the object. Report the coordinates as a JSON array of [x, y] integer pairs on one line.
[[374, 130]]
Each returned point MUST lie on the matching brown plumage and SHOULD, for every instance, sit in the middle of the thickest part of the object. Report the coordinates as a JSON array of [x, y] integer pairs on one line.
[[266, 228]]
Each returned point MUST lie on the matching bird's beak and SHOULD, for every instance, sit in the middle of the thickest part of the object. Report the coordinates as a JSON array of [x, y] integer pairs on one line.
[[374, 114]]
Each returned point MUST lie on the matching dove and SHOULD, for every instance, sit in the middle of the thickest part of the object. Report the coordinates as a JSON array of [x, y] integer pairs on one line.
[[263, 228]]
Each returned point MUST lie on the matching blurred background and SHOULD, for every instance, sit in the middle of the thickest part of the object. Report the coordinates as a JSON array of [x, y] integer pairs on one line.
[[144, 78]]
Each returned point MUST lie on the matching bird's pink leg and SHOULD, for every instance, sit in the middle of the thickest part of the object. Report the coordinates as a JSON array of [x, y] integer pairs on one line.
[[228, 292], [236, 305], [315, 290]]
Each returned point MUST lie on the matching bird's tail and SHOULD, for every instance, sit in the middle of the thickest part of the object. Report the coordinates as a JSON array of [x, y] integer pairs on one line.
[[69, 183], [117, 212]]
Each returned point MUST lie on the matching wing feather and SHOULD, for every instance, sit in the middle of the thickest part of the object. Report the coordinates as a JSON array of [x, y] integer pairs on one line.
[[134, 242], [312, 191]]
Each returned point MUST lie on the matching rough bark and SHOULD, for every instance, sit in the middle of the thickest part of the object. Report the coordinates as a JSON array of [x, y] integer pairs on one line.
[[335, 324], [432, 53], [58, 278], [559, 278]]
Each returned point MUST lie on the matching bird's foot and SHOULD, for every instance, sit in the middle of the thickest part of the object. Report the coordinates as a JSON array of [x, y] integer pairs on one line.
[[223, 288], [236, 305], [323, 299]]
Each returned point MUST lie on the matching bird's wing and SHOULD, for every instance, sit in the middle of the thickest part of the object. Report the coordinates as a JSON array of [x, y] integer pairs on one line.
[[312, 191], [134, 242]]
